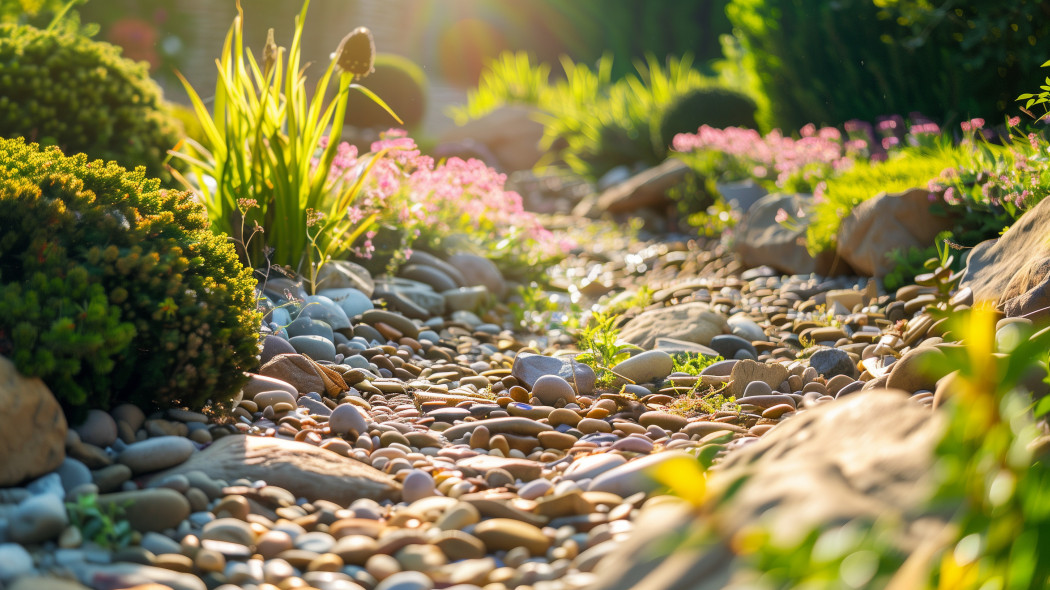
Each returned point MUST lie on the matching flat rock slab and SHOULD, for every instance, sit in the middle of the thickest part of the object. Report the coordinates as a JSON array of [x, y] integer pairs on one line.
[[302, 469], [1014, 271], [867, 455], [691, 322]]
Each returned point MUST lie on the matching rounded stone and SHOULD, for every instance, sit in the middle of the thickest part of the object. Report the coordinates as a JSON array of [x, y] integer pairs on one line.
[[273, 346], [504, 534], [157, 453], [150, 509], [352, 301], [458, 516], [728, 345], [322, 308], [15, 561], [230, 530], [831, 362], [317, 348], [664, 420], [98, 428], [130, 414], [37, 519], [347, 419], [651, 365], [563, 416], [406, 581], [757, 388], [418, 484]]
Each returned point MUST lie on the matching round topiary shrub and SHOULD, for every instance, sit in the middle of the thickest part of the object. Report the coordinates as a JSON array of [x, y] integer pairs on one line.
[[61, 88], [403, 87], [715, 106], [115, 291]]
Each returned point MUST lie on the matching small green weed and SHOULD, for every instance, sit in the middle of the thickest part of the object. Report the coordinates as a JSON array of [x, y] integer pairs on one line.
[[601, 347], [692, 363], [107, 528]]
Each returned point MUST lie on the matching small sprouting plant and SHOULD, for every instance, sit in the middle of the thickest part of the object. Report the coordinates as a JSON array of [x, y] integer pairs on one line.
[[533, 312], [692, 363], [695, 403], [941, 275], [106, 527], [639, 299], [601, 346]]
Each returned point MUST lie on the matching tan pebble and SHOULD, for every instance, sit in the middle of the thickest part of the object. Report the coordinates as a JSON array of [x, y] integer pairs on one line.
[[815, 386], [382, 566], [760, 429], [598, 412], [777, 411], [233, 507], [208, 560], [608, 404], [629, 427], [190, 545], [516, 556], [390, 437], [519, 394], [590, 425], [671, 422], [456, 545], [504, 534], [175, 562], [355, 549], [499, 443], [70, 538], [479, 439], [795, 383], [281, 407], [557, 440], [198, 499], [418, 557], [504, 401], [563, 416], [326, 562], [265, 399], [337, 446], [201, 435]]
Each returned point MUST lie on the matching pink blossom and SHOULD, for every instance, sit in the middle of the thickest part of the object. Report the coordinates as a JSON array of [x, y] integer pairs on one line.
[[781, 216], [1013, 121]]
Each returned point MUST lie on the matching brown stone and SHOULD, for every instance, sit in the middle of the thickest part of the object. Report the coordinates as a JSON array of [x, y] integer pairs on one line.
[[304, 374], [691, 322], [33, 437]]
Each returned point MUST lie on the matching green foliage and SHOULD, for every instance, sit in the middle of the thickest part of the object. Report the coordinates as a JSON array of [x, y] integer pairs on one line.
[[58, 87], [591, 123], [909, 169], [941, 275], [114, 291], [106, 527], [511, 78], [1039, 98], [402, 84], [692, 363], [33, 12], [907, 264], [533, 312], [261, 152], [628, 300], [595, 125], [829, 62], [602, 350], [714, 106]]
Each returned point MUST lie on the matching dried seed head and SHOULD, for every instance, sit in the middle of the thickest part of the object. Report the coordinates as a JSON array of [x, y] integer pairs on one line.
[[269, 52], [357, 53]]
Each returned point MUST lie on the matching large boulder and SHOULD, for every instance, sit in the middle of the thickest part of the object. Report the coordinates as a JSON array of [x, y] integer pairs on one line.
[[888, 222], [511, 133], [865, 457], [760, 240], [302, 469], [1013, 271], [647, 189], [691, 322], [33, 435]]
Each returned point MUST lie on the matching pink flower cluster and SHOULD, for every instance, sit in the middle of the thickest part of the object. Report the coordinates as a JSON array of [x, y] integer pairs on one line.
[[773, 157], [434, 200]]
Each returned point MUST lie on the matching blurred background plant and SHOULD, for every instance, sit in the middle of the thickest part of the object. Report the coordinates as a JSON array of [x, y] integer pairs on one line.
[[60, 87]]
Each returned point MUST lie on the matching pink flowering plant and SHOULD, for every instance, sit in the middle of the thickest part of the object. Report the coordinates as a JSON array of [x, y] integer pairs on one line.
[[996, 182], [434, 205], [262, 170], [777, 161]]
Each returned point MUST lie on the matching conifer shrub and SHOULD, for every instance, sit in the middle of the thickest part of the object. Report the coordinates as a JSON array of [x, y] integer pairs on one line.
[[59, 87], [113, 290], [713, 106]]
